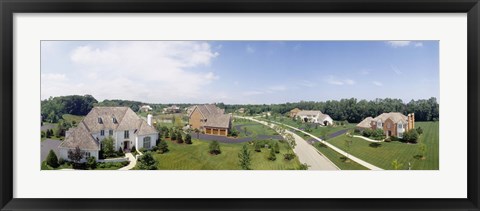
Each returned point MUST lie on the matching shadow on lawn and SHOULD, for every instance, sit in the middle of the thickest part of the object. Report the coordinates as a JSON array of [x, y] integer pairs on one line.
[[375, 145]]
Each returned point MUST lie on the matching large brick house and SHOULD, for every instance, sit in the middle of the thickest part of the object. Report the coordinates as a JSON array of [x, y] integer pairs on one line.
[[121, 123], [393, 123], [210, 119]]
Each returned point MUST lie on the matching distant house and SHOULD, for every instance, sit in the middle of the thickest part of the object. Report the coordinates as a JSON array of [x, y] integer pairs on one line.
[[145, 108], [210, 119], [241, 110], [393, 123], [121, 123], [314, 117], [294, 112], [171, 110]]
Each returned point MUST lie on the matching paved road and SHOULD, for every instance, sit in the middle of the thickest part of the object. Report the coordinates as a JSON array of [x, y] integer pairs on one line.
[[224, 139], [46, 146], [307, 153], [358, 160]]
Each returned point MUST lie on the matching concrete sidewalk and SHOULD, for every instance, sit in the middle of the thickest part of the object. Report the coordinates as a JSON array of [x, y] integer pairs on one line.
[[133, 162]]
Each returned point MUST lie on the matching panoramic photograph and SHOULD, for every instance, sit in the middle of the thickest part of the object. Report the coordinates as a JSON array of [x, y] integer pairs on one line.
[[240, 105]]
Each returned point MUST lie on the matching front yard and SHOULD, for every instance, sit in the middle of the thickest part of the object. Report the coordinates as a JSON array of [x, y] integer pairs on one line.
[[197, 157], [384, 153]]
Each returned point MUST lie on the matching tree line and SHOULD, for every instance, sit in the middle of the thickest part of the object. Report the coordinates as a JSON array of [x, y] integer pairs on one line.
[[351, 110]]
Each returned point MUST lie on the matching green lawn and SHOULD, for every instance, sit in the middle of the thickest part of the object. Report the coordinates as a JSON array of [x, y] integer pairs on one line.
[[253, 129], [197, 157], [338, 159], [383, 155], [70, 118]]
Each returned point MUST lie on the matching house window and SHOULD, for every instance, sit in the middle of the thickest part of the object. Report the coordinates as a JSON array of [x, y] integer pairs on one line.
[[146, 142], [114, 120], [400, 135], [102, 133], [100, 120], [87, 154], [388, 125], [126, 134], [400, 125], [110, 132]]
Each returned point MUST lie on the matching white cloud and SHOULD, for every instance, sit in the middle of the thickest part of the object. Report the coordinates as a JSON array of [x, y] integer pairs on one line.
[[250, 49], [418, 44], [54, 77], [377, 83], [307, 83], [163, 71], [396, 44], [334, 81]]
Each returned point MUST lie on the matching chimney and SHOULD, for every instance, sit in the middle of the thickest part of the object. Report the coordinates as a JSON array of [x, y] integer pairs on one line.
[[149, 119], [413, 120]]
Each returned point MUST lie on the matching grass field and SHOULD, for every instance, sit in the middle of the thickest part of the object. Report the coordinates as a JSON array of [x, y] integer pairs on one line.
[[70, 118], [383, 155], [253, 129], [338, 159], [197, 157]]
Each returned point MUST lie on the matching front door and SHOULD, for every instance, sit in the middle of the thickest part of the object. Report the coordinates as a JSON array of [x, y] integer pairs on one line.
[[126, 145], [389, 133]]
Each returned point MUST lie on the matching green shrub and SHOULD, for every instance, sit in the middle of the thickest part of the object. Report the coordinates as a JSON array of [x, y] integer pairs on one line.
[[179, 138], [147, 162], [272, 155], [258, 146], [173, 137], [188, 139], [289, 156], [214, 148], [419, 130], [134, 149], [52, 159], [125, 163], [411, 136], [276, 148], [162, 147], [91, 163], [120, 152], [142, 150]]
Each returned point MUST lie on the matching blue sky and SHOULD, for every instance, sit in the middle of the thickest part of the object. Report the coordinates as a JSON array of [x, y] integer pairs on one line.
[[240, 72]]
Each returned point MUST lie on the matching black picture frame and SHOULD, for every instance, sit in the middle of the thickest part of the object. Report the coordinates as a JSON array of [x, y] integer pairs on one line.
[[10, 7]]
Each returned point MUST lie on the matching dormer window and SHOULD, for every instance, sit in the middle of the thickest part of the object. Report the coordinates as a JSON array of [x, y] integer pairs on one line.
[[114, 120], [100, 120]]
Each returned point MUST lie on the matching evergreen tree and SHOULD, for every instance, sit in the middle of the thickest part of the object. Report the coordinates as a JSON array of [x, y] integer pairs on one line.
[[214, 148], [188, 139], [272, 155], [147, 162], [162, 146], [244, 157], [52, 159], [179, 137], [91, 163], [276, 148]]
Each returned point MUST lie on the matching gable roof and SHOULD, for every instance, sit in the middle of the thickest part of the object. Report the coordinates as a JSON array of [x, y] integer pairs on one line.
[[295, 110], [394, 116], [309, 112], [365, 123], [80, 137], [214, 115], [126, 119]]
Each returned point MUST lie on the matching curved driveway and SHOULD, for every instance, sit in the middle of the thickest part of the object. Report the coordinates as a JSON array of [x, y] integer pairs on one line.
[[306, 153]]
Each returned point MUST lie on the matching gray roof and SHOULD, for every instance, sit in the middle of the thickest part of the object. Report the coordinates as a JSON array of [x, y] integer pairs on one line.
[[365, 123], [308, 112], [394, 116], [126, 119], [215, 116], [80, 137]]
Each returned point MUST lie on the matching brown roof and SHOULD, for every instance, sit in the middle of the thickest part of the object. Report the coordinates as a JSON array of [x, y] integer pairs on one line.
[[365, 123], [80, 137], [144, 128], [394, 116], [215, 116], [295, 110]]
